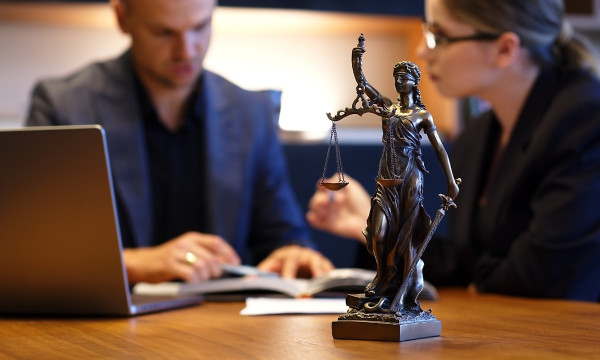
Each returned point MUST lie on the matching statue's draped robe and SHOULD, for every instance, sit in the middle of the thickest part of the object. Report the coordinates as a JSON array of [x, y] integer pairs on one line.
[[402, 205]]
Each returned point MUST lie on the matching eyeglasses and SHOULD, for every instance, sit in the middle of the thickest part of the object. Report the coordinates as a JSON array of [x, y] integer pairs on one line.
[[432, 40]]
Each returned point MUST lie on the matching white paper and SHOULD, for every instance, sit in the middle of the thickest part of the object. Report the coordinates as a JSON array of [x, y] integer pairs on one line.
[[272, 306], [166, 288]]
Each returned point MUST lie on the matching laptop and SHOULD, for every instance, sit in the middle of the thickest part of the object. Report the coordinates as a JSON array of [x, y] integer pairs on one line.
[[60, 246]]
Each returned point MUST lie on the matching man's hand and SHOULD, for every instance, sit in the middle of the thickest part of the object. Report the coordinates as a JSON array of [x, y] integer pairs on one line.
[[296, 261], [190, 257]]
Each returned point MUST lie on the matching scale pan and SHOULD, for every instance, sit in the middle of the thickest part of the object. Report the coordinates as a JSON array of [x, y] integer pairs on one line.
[[389, 182], [334, 186]]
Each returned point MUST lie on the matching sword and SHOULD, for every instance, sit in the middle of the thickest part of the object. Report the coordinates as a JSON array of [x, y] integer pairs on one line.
[[446, 204]]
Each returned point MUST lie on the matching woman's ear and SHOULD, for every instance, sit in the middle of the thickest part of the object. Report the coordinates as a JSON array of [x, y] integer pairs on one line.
[[508, 47]]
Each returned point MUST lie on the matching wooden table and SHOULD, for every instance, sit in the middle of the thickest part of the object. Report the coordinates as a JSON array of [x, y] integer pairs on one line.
[[473, 327]]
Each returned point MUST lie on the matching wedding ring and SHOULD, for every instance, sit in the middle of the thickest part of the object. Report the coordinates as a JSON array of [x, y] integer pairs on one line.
[[190, 258]]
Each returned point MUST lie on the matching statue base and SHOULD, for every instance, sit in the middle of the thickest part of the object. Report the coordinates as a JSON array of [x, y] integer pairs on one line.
[[382, 331], [406, 325]]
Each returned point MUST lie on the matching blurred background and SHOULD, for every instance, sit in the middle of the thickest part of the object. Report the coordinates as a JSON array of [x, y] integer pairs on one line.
[[301, 47]]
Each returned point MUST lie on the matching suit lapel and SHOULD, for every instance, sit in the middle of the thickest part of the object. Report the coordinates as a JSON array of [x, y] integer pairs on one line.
[[513, 159], [119, 115], [224, 178], [472, 171]]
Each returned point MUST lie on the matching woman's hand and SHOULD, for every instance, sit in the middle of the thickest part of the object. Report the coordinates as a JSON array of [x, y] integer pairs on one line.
[[343, 212]]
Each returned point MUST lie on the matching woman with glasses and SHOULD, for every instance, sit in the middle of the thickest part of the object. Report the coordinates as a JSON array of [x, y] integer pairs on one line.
[[527, 221]]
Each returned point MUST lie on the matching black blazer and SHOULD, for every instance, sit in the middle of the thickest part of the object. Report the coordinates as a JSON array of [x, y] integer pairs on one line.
[[539, 234]]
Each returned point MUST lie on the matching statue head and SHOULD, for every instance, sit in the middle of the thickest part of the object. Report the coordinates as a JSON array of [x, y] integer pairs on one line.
[[407, 69]]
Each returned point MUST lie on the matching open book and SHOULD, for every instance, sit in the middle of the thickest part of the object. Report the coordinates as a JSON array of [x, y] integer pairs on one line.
[[338, 282]]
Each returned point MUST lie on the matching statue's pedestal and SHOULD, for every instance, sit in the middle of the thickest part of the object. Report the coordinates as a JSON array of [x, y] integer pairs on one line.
[[378, 330], [359, 325]]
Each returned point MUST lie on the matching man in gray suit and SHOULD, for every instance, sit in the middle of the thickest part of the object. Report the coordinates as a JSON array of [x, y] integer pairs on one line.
[[199, 174]]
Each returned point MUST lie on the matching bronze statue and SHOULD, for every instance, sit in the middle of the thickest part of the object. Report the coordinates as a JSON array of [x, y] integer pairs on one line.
[[398, 228]]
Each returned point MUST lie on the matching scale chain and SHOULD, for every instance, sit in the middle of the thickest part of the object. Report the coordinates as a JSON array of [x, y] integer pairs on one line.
[[338, 156], [328, 151]]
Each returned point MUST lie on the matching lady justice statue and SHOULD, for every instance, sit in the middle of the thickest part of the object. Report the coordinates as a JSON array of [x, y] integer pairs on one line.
[[398, 228]]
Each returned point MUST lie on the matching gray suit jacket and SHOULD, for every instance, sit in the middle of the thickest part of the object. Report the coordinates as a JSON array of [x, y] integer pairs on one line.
[[251, 203]]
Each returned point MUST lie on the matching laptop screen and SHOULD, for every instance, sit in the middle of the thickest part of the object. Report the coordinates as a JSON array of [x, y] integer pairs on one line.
[[60, 250]]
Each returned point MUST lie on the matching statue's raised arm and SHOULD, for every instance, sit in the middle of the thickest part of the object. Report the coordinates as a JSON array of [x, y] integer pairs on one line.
[[371, 100], [357, 53], [373, 97]]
